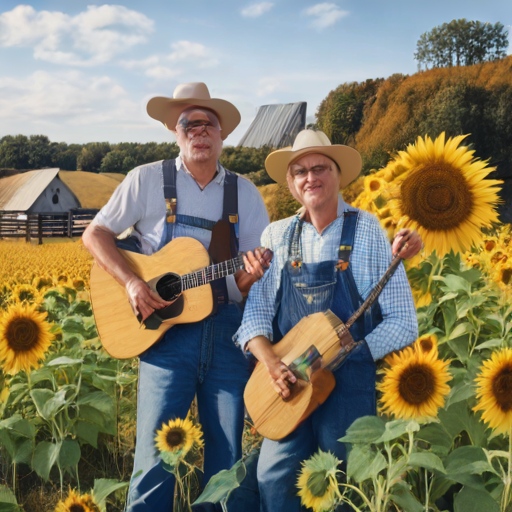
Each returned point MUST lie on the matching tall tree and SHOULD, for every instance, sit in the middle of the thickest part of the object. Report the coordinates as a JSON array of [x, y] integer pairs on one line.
[[462, 43]]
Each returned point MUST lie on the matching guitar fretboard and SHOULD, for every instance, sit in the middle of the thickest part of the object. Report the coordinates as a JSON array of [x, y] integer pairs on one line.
[[208, 274]]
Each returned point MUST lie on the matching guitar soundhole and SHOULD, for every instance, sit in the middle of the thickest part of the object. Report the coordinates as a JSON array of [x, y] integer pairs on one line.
[[169, 286]]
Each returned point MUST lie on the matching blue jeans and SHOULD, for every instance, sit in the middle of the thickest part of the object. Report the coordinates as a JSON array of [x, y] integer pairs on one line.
[[280, 461], [191, 359]]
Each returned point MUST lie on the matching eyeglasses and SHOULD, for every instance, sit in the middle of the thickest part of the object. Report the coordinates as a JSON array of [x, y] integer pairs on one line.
[[301, 173], [196, 127]]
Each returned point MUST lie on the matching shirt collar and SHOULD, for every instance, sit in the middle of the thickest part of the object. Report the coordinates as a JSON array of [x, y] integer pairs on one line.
[[342, 205], [219, 177]]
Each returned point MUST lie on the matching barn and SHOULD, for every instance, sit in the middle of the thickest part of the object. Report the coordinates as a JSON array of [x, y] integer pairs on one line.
[[36, 192]]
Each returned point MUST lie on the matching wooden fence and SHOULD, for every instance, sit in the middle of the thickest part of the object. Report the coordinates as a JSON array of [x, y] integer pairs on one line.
[[20, 224]]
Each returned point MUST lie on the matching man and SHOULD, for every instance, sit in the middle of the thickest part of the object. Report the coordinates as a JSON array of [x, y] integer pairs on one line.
[[329, 257], [165, 200]]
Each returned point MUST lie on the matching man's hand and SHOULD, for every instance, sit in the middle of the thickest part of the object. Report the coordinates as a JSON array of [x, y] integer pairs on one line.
[[282, 377], [142, 298], [255, 265], [411, 241]]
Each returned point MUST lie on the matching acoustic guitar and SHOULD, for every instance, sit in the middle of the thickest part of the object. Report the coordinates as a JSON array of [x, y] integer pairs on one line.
[[180, 271], [311, 350]]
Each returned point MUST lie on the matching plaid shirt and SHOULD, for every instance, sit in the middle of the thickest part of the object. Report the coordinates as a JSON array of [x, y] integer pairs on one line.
[[369, 260]]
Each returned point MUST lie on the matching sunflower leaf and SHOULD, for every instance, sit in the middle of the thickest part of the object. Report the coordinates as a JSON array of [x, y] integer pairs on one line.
[[426, 460], [223, 483], [364, 463], [473, 500], [45, 456], [397, 428], [364, 430], [406, 500], [103, 487], [439, 439]]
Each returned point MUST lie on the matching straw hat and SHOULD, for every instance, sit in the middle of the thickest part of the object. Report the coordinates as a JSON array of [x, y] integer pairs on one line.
[[168, 110], [310, 141]]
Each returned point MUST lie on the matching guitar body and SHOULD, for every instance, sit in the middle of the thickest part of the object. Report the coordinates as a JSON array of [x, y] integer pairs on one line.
[[118, 327], [274, 417]]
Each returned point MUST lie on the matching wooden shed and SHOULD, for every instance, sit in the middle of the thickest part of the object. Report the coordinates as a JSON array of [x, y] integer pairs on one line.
[[35, 192]]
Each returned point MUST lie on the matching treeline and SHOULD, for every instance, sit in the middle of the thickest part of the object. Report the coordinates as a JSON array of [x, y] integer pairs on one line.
[[38, 152], [380, 116]]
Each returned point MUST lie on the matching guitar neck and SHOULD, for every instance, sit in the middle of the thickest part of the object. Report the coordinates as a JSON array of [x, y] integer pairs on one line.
[[373, 296], [211, 273]]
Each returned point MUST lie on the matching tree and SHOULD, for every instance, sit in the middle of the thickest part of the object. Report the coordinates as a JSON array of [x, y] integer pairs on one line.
[[461, 42], [92, 155], [40, 152], [15, 152]]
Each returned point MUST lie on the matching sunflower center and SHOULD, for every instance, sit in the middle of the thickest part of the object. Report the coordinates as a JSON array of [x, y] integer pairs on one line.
[[374, 185], [426, 345], [490, 245], [318, 483], [437, 196], [506, 275], [417, 384], [502, 388], [175, 437], [22, 334], [76, 507]]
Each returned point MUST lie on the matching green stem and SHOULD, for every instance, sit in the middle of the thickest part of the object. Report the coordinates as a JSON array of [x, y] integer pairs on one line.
[[426, 490], [411, 442], [361, 493], [14, 478], [508, 480]]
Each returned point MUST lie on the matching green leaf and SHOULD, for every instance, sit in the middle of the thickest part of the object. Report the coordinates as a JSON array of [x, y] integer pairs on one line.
[[220, 485], [104, 487], [99, 400], [461, 347], [458, 417], [23, 452], [364, 463], [397, 428], [467, 459], [64, 361], [87, 432], [472, 500], [40, 397], [69, 454], [406, 500], [461, 391], [8, 501], [105, 422], [73, 325], [455, 283], [426, 460], [439, 439], [495, 342], [45, 456], [19, 425], [460, 329], [364, 430]]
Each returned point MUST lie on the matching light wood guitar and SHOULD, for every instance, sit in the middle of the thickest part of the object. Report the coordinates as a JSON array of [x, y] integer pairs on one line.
[[180, 271], [311, 350]]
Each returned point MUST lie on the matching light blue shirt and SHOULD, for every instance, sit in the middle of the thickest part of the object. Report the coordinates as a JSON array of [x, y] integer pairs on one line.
[[369, 260]]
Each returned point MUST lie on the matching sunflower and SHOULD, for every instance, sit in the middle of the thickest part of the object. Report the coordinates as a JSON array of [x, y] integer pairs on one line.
[[178, 436], [24, 338], [77, 503], [494, 391], [415, 384], [26, 293], [426, 343], [443, 194], [317, 483]]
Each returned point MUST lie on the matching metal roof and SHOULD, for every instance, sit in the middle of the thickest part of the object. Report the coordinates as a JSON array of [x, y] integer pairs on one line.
[[275, 125], [19, 192]]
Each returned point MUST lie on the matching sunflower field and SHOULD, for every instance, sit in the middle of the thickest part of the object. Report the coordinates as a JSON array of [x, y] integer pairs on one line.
[[442, 440]]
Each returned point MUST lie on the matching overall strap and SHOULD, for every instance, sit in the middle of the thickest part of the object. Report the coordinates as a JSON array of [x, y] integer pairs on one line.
[[170, 194], [230, 209], [348, 234], [295, 248]]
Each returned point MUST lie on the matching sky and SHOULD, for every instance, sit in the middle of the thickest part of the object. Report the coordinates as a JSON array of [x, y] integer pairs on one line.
[[79, 71]]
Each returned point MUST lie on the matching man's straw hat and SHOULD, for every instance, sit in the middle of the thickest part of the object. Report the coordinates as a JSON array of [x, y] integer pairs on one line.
[[310, 141], [168, 110]]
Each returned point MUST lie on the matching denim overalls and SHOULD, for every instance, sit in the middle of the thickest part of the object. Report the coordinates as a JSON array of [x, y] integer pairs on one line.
[[198, 358], [308, 288]]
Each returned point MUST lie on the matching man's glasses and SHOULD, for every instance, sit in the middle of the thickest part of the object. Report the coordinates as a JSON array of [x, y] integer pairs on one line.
[[196, 127], [301, 173]]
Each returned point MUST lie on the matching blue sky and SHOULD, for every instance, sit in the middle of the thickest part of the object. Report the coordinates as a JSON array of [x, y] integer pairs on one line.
[[81, 72]]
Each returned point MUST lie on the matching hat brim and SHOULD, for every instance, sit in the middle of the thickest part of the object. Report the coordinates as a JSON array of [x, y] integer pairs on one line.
[[348, 160], [168, 110]]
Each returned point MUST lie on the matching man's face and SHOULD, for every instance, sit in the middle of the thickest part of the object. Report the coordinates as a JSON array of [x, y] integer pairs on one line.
[[198, 135], [314, 180]]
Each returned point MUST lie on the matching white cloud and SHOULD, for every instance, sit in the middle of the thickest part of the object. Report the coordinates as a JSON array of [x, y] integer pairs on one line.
[[70, 98], [162, 72], [325, 15], [256, 10], [269, 85], [192, 53], [153, 60], [92, 37]]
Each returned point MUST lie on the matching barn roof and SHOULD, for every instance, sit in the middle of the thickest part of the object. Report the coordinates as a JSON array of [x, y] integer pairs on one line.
[[275, 125], [19, 192]]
